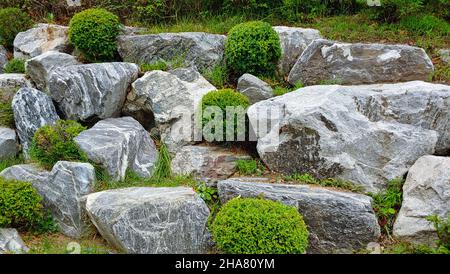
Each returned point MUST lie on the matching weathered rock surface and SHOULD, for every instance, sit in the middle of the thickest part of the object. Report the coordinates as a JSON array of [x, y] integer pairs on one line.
[[353, 64], [426, 192], [206, 163], [445, 55], [119, 144], [40, 39], [337, 221], [40, 67], [151, 220], [11, 242], [202, 50], [93, 91], [254, 88], [62, 191], [10, 83], [365, 134], [8, 143], [32, 109], [3, 58], [171, 100], [293, 42]]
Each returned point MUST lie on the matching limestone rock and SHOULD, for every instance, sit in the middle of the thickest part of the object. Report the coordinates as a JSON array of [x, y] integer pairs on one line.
[[202, 50], [206, 163], [10, 83], [32, 109], [445, 55], [354, 64], [62, 191], [119, 144], [10, 242], [364, 134], [151, 220], [254, 88], [40, 67], [293, 42], [40, 39], [93, 91], [426, 192], [3, 58], [338, 222], [8, 143]]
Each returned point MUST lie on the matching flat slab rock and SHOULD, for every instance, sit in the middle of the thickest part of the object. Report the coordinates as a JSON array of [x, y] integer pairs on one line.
[[11, 242], [118, 144], [202, 50], [40, 39], [355, 64], [62, 190], [426, 192], [338, 222], [92, 91], [9, 147], [32, 109], [364, 134], [206, 163], [151, 220]]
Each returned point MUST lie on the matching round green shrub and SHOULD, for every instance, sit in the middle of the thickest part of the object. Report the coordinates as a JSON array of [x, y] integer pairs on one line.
[[53, 143], [20, 205], [94, 33], [15, 66], [252, 47], [12, 21], [256, 226], [221, 99]]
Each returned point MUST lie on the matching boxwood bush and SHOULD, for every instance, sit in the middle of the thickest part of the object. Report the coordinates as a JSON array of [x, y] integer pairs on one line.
[[94, 33], [256, 226], [253, 47], [221, 99], [53, 143], [12, 21]]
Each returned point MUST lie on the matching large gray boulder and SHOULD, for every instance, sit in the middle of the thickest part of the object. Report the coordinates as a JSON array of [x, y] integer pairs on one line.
[[32, 109], [8, 143], [254, 88], [293, 42], [118, 144], [151, 220], [62, 190], [202, 50], [206, 163], [3, 58], [93, 91], [39, 67], [171, 101], [337, 221], [354, 64], [40, 39], [11, 242], [365, 134], [426, 192], [10, 83]]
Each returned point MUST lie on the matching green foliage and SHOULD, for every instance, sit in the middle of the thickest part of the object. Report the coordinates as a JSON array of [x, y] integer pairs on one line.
[[426, 25], [15, 66], [282, 90], [6, 115], [208, 194], [442, 227], [387, 204], [12, 21], [250, 167], [394, 10], [252, 47], [160, 65], [9, 162], [53, 143], [218, 76], [94, 33], [256, 226], [163, 169], [21, 207], [329, 182], [222, 99]]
